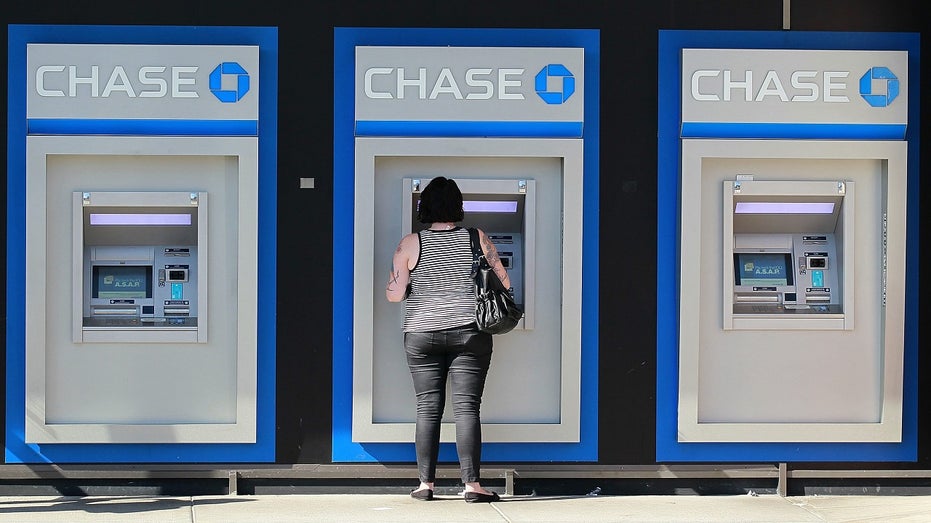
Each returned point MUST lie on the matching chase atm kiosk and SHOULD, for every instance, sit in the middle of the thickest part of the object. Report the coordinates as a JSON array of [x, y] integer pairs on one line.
[[506, 124], [117, 354], [788, 184]]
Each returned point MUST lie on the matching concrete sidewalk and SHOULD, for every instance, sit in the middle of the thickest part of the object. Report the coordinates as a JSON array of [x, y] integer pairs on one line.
[[399, 508]]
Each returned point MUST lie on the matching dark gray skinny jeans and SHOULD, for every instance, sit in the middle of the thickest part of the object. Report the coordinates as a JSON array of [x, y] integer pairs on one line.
[[462, 355]]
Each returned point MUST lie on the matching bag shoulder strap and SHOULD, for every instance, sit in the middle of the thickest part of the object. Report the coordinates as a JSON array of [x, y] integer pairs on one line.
[[474, 243]]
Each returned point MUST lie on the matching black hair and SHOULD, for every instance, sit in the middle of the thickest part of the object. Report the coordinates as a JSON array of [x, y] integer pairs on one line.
[[440, 201]]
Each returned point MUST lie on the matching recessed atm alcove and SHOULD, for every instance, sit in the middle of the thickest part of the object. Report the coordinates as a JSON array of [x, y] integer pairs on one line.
[[791, 291], [137, 267], [525, 194], [786, 262], [129, 270]]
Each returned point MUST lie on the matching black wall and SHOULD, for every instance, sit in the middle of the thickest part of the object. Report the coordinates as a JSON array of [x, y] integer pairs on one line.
[[628, 167]]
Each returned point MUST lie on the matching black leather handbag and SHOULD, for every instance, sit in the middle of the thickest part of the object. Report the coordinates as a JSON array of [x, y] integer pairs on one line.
[[496, 312]]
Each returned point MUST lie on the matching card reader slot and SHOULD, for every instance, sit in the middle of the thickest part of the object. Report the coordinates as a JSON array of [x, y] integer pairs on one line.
[[177, 310], [818, 298]]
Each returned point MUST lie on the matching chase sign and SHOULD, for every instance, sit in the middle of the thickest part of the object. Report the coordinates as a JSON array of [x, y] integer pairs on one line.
[[794, 87], [469, 84], [142, 82]]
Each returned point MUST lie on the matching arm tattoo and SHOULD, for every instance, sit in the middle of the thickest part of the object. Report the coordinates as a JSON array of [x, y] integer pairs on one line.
[[392, 280], [491, 254]]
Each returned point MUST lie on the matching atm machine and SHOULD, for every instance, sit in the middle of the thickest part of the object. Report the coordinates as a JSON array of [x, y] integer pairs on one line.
[[140, 277], [787, 264], [505, 210]]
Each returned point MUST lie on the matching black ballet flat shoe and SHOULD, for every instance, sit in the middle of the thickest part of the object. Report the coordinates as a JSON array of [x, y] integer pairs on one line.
[[423, 495], [478, 497]]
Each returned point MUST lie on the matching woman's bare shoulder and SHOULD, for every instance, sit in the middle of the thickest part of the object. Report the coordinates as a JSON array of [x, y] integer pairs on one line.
[[409, 241]]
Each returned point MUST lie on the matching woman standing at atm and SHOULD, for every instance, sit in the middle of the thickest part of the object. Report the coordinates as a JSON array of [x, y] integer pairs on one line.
[[441, 339]]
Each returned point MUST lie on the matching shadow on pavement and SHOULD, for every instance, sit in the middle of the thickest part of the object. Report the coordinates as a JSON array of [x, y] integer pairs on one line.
[[105, 505], [518, 499]]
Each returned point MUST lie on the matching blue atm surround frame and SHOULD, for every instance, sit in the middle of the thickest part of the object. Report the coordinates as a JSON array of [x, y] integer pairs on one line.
[[266, 38], [671, 43], [345, 40]]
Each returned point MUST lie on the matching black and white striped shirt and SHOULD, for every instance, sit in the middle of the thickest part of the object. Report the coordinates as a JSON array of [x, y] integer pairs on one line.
[[442, 291]]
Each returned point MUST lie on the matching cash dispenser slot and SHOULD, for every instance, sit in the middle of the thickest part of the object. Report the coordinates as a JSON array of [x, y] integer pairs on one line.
[[757, 298], [121, 311]]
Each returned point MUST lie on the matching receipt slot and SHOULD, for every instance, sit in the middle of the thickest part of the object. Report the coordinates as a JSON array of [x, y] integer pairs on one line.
[[141, 278], [788, 260], [505, 210]]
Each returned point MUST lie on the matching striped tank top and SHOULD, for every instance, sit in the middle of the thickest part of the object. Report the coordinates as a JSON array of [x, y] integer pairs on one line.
[[442, 291]]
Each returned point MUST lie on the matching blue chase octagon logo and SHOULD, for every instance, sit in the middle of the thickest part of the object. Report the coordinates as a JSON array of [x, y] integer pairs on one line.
[[879, 75], [567, 86], [216, 82]]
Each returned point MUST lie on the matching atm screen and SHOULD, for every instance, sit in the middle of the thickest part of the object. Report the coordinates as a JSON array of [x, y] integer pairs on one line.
[[122, 281], [763, 269]]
